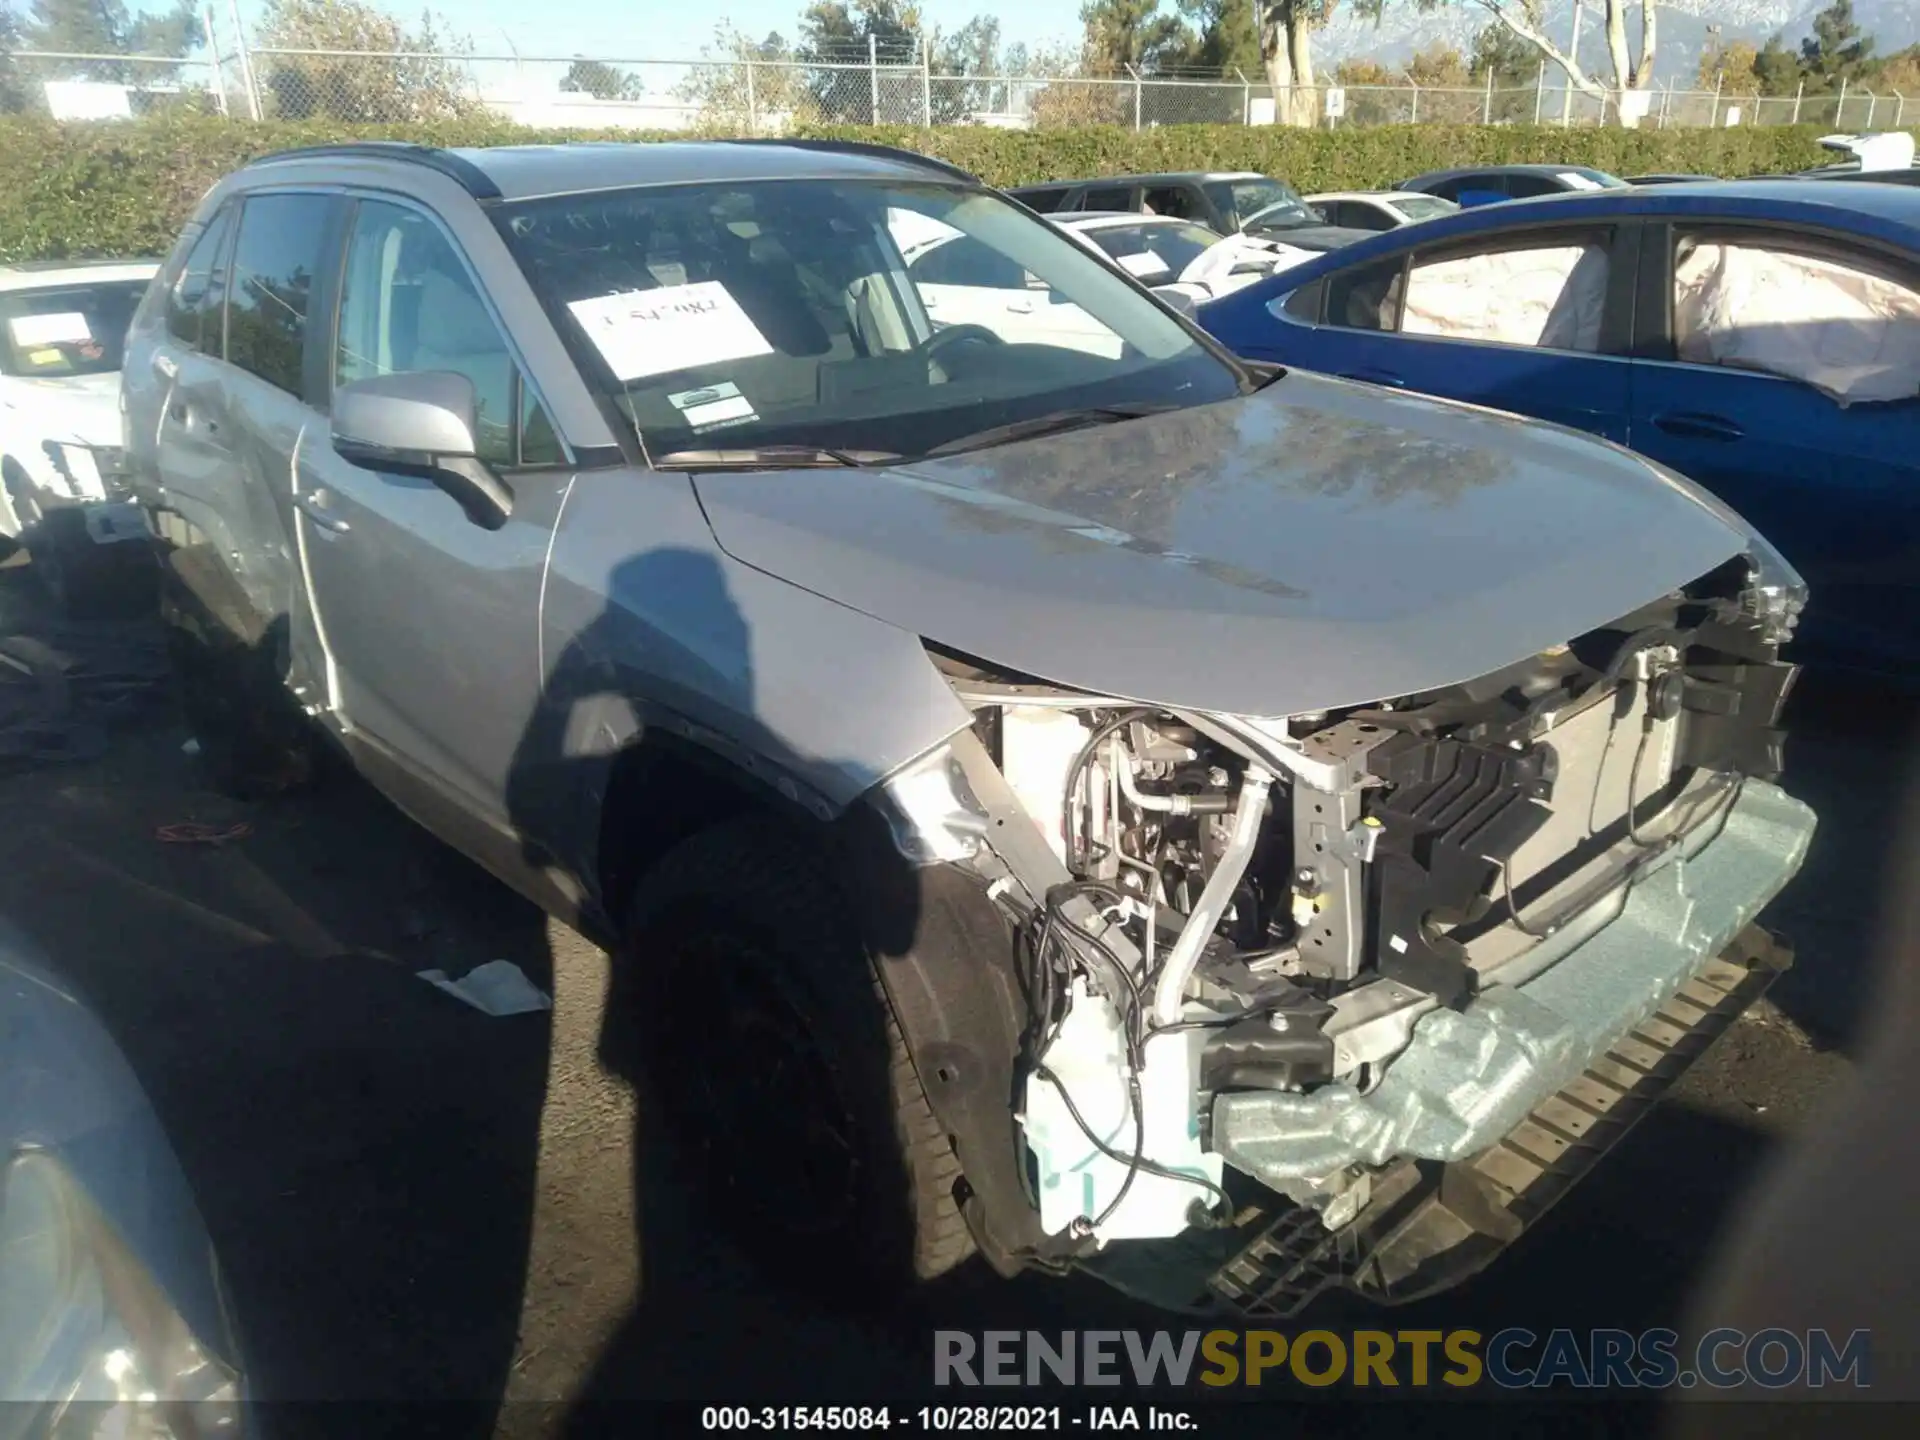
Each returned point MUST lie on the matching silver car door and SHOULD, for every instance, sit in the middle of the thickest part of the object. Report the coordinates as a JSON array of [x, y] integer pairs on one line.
[[280, 252], [430, 623], [175, 388]]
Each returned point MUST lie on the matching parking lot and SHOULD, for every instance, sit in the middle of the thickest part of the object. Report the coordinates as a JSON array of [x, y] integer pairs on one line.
[[416, 1201]]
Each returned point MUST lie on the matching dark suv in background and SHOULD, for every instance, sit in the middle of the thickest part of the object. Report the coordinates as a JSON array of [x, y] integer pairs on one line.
[[1225, 201]]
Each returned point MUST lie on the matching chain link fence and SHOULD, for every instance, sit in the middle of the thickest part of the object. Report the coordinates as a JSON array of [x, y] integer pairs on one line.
[[770, 96], [71, 85]]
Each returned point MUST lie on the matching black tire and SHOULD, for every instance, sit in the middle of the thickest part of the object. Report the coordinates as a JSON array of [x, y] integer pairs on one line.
[[762, 1012], [253, 741]]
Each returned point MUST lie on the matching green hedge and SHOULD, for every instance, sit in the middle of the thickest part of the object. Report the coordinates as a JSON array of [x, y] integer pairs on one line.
[[124, 188]]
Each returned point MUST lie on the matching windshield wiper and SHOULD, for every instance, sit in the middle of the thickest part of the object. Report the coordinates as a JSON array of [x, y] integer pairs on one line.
[[773, 457], [1049, 424]]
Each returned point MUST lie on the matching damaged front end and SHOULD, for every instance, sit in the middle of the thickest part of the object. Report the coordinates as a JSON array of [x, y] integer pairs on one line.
[[1240, 1008]]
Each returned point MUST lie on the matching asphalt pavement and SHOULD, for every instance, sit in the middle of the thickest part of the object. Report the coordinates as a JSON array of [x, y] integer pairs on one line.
[[415, 1201]]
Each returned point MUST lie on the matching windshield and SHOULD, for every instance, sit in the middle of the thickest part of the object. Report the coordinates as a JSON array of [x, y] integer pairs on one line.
[[854, 315], [1155, 251], [1581, 177], [1422, 207], [67, 330], [1274, 201]]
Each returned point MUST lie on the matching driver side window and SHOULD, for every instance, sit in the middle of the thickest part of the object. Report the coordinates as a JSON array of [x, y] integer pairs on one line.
[[408, 304]]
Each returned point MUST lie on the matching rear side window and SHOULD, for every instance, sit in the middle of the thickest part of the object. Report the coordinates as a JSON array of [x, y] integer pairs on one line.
[[1366, 297], [275, 263], [1471, 189], [1523, 187], [1358, 216], [1173, 200], [193, 307], [1112, 197], [1551, 294], [1304, 303], [1045, 201]]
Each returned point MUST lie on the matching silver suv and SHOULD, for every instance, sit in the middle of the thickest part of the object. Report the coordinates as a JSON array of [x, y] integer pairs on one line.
[[1043, 783]]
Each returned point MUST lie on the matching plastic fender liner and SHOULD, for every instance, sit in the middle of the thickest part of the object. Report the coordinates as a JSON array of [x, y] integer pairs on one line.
[[945, 956]]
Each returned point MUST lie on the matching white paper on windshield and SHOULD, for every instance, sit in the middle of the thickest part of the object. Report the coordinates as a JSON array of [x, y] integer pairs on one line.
[[1845, 331], [1551, 297], [1573, 180], [69, 327], [712, 406], [1142, 264], [677, 327]]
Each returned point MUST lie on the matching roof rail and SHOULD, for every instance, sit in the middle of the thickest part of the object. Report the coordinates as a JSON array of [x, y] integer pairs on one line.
[[863, 147], [470, 176], [89, 262]]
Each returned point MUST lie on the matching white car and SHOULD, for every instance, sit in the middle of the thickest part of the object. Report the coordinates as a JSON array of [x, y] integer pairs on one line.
[[63, 326], [1177, 257], [1379, 209], [964, 281]]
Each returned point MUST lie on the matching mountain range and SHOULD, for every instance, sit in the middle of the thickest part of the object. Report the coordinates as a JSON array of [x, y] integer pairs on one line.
[[1683, 30]]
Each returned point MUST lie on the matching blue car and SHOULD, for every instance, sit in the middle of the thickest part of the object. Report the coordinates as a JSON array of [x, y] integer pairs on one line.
[[1493, 184], [1759, 337]]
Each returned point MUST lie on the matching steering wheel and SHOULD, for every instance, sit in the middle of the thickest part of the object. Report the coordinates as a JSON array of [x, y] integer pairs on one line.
[[957, 334]]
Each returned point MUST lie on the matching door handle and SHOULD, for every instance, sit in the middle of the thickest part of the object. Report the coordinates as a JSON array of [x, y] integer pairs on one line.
[[1697, 427], [164, 367], [1376, 377], [1020, 307], [314, 504]]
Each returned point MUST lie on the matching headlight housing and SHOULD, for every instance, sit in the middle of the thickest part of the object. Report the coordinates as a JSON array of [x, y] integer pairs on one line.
[[90, 1343]]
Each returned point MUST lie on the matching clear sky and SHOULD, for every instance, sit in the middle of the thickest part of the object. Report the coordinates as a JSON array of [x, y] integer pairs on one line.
[[671, 29]]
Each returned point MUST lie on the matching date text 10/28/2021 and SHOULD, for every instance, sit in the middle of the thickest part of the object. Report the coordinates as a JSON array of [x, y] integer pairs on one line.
[[869, 1419]]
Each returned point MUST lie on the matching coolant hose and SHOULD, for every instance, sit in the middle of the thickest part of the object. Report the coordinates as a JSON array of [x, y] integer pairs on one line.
[[1170, 986]]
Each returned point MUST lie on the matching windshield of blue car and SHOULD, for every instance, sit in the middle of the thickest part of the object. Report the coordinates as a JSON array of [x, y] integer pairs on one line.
[[853, 315], [1422, 207], [1600, 179], [54, 332], [1239, 201], [1153, 251]]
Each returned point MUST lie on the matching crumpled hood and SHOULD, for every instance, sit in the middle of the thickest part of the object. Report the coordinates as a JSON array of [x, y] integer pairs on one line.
[[1316, 545], [81, 408]]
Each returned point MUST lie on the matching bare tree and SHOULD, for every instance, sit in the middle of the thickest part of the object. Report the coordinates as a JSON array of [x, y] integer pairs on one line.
[[1286, 50], [1632, 73]]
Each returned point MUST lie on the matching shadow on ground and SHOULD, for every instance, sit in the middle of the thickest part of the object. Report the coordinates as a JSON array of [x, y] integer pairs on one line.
[[362, 1145]]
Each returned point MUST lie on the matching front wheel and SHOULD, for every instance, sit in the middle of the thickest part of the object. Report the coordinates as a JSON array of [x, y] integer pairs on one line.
[[782, 1067]]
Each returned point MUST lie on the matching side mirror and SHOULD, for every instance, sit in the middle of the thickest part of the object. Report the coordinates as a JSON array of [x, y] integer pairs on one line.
[[421, 424]]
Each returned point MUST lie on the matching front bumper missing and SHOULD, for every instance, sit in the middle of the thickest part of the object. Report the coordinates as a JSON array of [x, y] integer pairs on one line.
[[1469, 1076], [1490, 1124], [1429, 1226]]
